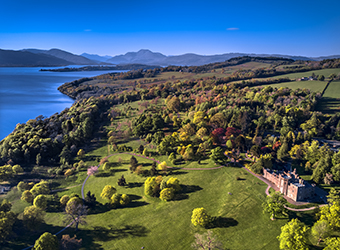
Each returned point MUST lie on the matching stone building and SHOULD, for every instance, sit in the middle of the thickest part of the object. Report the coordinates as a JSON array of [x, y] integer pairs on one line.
[[290, 184]]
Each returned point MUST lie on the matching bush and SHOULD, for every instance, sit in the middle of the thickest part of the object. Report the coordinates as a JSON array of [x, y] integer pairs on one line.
[[200, 217], [167, 194], [173, 183], [124, 200], [115, 200]]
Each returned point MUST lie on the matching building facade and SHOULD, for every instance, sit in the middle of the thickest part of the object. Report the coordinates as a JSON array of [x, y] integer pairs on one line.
[[290, 184]]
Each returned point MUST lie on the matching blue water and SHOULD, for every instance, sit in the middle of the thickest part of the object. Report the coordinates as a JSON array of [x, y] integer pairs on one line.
[[26, 92]]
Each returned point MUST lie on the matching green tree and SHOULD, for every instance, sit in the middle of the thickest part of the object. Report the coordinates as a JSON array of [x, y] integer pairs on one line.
[[274, 205], [331, 214], [40, 188], [206, 241], [27, 196], [7, 219], [167, 194], [22, 186], [115, 199], [107, 192], [200, 217], [173, 183], [46, 241], [332, 243], [321, 77], [17, 169], [217, 155], [6, 172], [333, 196], [320, 230], [33, 217], [75, 211], [40, 202], [64, 199], [294, 236], [151, 186]]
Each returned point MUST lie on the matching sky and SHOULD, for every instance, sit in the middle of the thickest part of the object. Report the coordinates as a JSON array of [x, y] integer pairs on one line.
[[299, 27]]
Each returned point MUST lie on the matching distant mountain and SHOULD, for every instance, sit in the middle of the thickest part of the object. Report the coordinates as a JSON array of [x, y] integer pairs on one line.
[[74, 59], [11, 58], [320, 58], [145, 56], [96, 58]]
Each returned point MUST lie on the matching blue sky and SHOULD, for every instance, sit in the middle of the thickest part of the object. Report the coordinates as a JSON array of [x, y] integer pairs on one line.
[[308, 28]]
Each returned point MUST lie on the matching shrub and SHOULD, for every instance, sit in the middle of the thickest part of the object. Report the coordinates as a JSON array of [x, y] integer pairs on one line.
[[115, 199], [173, 183], [124, 200], [200, 217], [107, 192], [167, 194]]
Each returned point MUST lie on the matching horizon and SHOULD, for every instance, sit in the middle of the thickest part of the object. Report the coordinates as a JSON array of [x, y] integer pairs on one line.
[[103, 55], [114, 28]]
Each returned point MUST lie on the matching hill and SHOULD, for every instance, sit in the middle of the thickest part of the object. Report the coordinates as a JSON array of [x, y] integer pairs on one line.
[[97, 58], [74, 59], [11, 58]]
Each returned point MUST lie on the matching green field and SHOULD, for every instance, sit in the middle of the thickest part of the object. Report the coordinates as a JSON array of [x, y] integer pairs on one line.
[[325, 72], [330, 102], [315, 86]]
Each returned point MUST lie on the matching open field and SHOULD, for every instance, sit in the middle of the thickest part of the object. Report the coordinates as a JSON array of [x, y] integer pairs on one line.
[[315, 86], [330, 102], [325, 72]]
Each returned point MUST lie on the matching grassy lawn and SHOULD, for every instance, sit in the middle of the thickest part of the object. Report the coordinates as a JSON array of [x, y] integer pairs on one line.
[[147, 220]]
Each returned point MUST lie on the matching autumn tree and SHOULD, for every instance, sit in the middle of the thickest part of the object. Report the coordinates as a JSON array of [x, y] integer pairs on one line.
[[68, 243], [332, 243], [167, 194]]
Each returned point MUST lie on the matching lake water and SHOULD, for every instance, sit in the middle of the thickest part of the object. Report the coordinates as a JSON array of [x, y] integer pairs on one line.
[[26, 92]]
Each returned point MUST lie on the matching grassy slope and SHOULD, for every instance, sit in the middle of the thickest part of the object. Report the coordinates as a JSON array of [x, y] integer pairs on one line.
[[154, 219]]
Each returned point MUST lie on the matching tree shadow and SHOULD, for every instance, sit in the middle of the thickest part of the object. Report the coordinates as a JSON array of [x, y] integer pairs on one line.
[[185, 190], [134, 184], [103, 174], [222, 222], [177, 172], [118, 170], [111, 232]]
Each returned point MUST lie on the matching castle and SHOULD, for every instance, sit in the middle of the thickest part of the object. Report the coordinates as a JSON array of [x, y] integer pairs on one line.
[[290, 184]]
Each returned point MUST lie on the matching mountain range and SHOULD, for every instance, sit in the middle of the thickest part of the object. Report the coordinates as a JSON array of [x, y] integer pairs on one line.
[[145, 56], [57, 57]]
